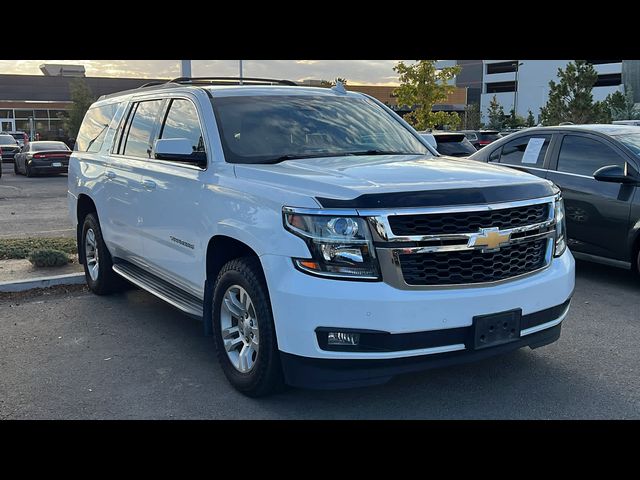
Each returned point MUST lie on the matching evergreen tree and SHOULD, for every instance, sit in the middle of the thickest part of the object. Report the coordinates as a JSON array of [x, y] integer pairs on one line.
[[621, 106], [82, 98], [496, 115], [531, 121], [571, 100]]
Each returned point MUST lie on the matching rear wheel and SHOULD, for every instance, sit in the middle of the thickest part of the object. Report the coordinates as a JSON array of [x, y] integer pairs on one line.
[[27, 170], [98, 273], [15, 167], [243, 329]]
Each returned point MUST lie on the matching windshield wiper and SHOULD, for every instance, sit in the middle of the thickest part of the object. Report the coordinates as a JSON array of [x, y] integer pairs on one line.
[[381, 152]]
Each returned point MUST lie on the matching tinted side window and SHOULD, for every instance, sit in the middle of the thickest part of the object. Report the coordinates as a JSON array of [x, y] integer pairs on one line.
[[139, 142], [94, 128], [495, 155], [584, 155], [182, 122], [526, 151]]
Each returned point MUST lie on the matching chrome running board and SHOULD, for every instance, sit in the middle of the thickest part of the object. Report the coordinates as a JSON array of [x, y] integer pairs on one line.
[[160, 288]]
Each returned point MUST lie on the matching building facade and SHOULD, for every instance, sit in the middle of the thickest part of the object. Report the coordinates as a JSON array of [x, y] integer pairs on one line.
[[524, 84], [35, 103]]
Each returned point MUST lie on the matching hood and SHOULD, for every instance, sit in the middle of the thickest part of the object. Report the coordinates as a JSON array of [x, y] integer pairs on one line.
[[337, 181]]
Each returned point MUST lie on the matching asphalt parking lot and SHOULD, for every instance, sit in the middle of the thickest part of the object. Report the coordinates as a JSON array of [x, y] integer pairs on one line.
[[126, 356], [34, 206]]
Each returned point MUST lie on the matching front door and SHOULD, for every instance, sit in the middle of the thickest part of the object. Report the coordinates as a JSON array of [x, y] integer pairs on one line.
[[173, 214], [7, 125], [597, 213]]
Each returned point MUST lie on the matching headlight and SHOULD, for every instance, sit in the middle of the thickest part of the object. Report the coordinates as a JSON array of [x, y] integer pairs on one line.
[[561, 228], [340, 246]]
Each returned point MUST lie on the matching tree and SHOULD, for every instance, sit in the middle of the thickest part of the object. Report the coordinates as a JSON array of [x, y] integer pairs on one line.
[[531, 121], [82, 99], [571, 100], [422, 86], [332, 83], [514, 121], [472, 119], [621, 106], [496, 115]]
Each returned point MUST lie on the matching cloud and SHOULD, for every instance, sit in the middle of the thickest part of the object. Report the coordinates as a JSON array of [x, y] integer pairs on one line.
[[369, 72]]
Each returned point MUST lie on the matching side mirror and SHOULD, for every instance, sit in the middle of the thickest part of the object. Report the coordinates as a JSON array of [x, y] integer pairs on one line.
[[615, 174], [178, 150]]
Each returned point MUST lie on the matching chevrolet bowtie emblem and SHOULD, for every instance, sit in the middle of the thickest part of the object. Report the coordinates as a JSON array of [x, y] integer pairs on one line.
[[489, 239]]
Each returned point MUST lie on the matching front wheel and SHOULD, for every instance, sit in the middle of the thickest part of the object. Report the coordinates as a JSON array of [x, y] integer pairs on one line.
[[243, 329]]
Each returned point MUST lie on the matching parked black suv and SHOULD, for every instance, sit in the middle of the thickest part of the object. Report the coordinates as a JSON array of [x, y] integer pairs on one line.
[[597, 168], [481, 138], [453, 144]]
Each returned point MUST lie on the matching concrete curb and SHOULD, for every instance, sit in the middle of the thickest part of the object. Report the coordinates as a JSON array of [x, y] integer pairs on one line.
[[42, 282]]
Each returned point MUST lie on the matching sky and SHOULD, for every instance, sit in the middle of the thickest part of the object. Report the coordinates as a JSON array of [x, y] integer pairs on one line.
[[356, 72]]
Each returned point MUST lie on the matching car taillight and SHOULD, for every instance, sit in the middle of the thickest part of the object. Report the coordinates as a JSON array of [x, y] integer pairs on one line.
[[484, 142], [39, 155]]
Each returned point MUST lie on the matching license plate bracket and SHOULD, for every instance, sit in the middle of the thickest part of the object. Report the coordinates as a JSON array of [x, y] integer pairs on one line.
[[496, 328], [56, 164]]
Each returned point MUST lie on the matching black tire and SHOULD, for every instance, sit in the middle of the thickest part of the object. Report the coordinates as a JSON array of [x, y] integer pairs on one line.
[[15, 167], [27, 170], [107, 280], [266, 375]]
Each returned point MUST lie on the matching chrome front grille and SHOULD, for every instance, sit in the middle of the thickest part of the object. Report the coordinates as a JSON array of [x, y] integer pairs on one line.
[[463, 222], [470, 245], [472, 266]]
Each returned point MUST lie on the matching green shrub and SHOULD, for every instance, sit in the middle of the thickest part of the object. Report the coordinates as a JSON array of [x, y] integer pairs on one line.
[[17, 248], [47, 257]]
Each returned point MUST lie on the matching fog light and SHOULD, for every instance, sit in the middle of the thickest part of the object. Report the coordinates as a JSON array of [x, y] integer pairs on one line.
[[343, 338]]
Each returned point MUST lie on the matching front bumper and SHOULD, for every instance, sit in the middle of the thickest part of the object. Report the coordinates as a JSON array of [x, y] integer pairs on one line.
[[302, 304], [305, 372]]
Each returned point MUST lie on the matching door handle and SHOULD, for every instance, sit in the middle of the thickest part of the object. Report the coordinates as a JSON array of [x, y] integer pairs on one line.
[[149, 184], [110, 175]]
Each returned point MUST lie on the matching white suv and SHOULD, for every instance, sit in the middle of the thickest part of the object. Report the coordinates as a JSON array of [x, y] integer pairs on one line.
[[320, 239]]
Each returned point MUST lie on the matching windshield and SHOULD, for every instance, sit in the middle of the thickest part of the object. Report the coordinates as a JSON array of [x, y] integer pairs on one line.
[[274, 128], [7, 140], [43, 146], [631, 140]]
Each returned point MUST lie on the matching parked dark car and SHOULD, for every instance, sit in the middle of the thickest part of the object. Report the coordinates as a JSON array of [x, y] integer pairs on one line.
[[481, 138], [21, 137], [8, 147], [597, 167], [42, 157], [453, 144]]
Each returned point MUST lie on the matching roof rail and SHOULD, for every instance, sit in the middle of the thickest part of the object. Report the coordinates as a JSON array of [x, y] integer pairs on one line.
[[232, 81], [203, 81]]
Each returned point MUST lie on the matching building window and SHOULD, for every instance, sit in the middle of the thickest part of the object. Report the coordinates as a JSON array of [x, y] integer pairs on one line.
[[6, 113], [501, 67], [608, 80], [498, 87], [602, 62], [22, 113]]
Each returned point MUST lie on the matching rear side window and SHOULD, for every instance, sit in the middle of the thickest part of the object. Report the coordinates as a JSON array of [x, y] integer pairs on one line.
[[456, 145], [583, 156], [182, 122], [139, 142], [526, 151], [94, 128]]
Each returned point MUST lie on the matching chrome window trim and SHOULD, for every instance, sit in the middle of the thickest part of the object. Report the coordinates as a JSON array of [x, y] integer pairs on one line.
[[572, 174], [518, 166]]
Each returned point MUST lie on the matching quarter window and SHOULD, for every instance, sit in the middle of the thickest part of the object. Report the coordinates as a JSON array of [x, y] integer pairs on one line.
[[583, 156], [139, 139], [526, 151], [182, 122], [94, 128]]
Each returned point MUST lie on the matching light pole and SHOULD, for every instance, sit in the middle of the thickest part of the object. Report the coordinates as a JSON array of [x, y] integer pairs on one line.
[[517, 64], [185, 68], [240, 67]]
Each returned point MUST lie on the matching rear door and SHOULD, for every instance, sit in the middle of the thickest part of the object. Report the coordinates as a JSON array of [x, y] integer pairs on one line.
[[529, 153], [597, 213], [173, 214], [131, 151]]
